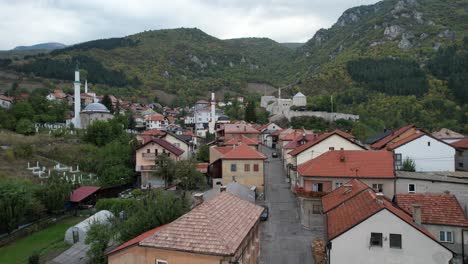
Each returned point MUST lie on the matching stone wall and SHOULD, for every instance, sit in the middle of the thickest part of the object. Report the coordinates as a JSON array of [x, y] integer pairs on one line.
[[325, 115]]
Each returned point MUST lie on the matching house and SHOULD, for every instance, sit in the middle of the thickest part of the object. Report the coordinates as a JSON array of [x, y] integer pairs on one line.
[[6, 101], [57, 95], [224, 230], [147, 135], [234, 188], [316, 146], [441, 215], [146, 156], [180, 142], [229, 131], [455, 183], [253, 143], [240, 163], [295, 143], [156, 121], [461, 158], [333, 168], [266, 131], [364, 227], [448, 135], [289, 135], [427, 153], [381, 140], [299, 99], [94, 112]]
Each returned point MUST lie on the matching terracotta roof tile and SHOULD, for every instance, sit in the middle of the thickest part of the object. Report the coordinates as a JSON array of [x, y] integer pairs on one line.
[[461, 144], [321, 138], [153, 132], [239, 129], [243, 152], [296, 142], [392, 146], [82, 193], [216, 227], [340, 195], [6, 98], [350, 163], [165, 144], [223, 150], [437, 209], [241, 139], [445, 133], [136, 240], [156, 117], [384, 141]]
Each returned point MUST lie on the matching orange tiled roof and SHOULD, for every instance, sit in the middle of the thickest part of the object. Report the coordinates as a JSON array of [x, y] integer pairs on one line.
[[340, 195], [384, 141], [156, 117], [446, 133], [153, 132], [360, 207], [350, 163], [243, 152], [241, 139], [216, 227], [296, 142], [392, 146], [294, 134], [437, 209], [6, 98], [462, 144], [136, 240], [223, 150], [320, 138], [239, 129]]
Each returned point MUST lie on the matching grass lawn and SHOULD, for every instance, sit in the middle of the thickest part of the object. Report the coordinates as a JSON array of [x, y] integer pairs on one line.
[[42, 242]]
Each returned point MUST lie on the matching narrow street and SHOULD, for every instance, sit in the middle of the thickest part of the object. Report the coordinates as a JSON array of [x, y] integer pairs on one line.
[[283, 240]]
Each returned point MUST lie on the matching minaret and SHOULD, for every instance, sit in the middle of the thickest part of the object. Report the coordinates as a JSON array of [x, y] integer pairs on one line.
[[86, 86], [77, 84], [211, 125]]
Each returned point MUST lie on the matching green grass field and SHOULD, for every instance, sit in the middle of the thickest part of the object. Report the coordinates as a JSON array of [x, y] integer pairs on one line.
[[42, 242]]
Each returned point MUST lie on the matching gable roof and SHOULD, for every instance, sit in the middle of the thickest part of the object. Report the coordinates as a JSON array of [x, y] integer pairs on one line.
[[461, 144], [321, 138], [6, 98], [155, 117], [166, 145], [239, 128], [350, 164], [153, 132], [394, 135], [361, 207], [392, 146], [243, 152], [241, 139], [183, 138], [215, 227], [82, 193], [446, 133], [340, 195], [437, 209], [296, 142], [134, 241], [294, 134]]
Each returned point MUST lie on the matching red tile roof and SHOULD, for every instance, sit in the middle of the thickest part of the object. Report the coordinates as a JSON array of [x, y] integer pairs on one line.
[[82, 193], [166, 145], [156, 117], [136, 240], [296, 142], [262, 127], [392, 146], [384, 141], [239, 129], [445, 133], [243, 152], [461, 144], [202, 167], [294, 134], [321, 138], [359, 208], [153, 132], [216, 227], [437, 209], [223, 150], [340, 195], [241, 139], [6, 98], [350, 163]]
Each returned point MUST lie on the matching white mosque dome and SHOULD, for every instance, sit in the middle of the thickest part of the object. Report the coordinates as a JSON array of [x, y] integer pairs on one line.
[[96, 107]]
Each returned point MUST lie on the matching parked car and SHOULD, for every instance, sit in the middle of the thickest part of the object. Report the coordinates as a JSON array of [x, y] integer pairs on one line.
[[274, 154], [264, 215]]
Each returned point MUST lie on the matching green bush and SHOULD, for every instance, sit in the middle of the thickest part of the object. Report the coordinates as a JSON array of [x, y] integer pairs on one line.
[[23, 150], [25, 127]]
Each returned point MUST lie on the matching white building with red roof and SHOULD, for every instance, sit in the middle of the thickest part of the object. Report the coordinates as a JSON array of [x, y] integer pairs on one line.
[[461, 158], [156, 121], [364, 227], [6, 101]]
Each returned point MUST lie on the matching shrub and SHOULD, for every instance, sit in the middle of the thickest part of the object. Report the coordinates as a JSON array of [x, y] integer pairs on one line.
[[25, 127], [23, 150]]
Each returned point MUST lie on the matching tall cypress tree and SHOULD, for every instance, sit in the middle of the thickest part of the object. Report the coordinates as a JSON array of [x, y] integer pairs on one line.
[[250, 115]]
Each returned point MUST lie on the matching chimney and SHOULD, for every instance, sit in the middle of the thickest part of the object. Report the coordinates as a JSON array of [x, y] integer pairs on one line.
[[347, 188], [379, 197], [417, 210], [342, 156], [222, 188], [198, 198]]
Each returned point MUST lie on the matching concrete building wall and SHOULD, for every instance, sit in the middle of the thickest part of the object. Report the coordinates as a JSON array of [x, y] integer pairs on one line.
[[417, 248], [247, 178], [457, 237], [299, 101], [310, 217], [88, 118], [427, 186], [325, 115], [461, 160], [428, 154], [334, 141], [180, 144]]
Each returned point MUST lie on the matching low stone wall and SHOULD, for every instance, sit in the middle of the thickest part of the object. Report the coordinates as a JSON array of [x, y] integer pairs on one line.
[[325, 115]]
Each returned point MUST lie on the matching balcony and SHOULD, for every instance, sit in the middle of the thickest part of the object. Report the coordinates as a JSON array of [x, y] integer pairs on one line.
[[301, 192], [146, 168], [148, 156]]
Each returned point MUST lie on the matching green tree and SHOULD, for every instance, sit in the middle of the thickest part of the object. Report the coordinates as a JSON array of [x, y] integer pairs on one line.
[[22, 110], [165, 169], [115, 164], [188, 177], [98, 237], [250, 115], [408, 165], [107, 102], [55, 193], [15, 198], [25, 127], [203, 153]]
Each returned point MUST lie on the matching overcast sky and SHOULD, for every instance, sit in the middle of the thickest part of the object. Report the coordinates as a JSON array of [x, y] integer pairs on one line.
[[27, 22]]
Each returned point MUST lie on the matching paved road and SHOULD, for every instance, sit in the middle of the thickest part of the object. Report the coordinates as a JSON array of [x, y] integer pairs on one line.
[[283, 240]]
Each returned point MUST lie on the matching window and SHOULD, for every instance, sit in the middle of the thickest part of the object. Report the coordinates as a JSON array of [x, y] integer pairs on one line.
[[158, 261], [428, 143], [460, 164], [156, 152], [331, 148], [378, 187], [317, 187], [411, 188], [148, 150], [255, 167], [446, 236], [316, 209], [338, 185], [233, 167], [376, 240], [398, 160], [395, 240], [246, 167]]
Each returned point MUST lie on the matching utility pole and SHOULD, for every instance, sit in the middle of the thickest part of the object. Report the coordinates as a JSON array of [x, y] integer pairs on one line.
[[331, 101]]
